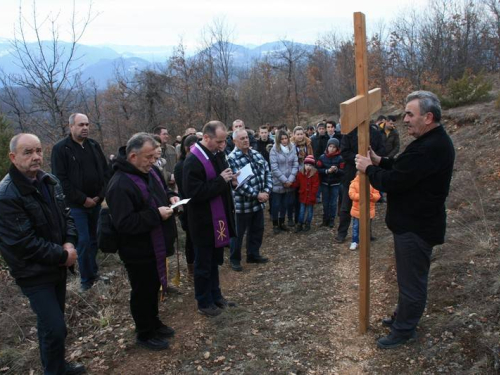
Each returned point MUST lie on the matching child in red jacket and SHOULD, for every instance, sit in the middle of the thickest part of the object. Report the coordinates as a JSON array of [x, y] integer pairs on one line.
[[308, 183]]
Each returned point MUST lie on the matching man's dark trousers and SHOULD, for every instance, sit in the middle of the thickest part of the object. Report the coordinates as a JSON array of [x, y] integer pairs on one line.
[[145, 285], [86, 226], [206, 275], [47, 301], [254, 222], [413, 259], [345, 211]]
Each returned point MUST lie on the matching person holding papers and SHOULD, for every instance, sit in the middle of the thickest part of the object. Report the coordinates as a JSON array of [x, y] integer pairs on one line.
[[250, 197]]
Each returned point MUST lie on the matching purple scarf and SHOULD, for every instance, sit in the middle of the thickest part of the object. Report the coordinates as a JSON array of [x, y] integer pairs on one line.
[[157, 237], [219, 220]]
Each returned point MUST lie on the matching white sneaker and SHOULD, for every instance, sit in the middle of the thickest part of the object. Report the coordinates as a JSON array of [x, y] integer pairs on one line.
[[353, 246]]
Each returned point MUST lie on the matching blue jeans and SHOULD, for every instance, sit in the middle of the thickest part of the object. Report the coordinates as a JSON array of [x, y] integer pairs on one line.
[[281, 201], [306, 213], [47, 302], [330, 199], [86, 226], [254, 222], [355, 230]]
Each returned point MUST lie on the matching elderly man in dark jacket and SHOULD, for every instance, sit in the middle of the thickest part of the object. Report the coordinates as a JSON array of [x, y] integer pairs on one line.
[[417, 183], [37, 240], [139, 201], [207, 179]]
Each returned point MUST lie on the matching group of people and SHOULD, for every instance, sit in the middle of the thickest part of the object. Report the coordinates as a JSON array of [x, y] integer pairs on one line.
[[49, 221]]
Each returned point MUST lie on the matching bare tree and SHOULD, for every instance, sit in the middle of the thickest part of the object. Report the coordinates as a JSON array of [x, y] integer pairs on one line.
[[49, 69]]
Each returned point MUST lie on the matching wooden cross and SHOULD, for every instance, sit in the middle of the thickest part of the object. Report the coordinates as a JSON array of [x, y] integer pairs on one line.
[[355, 113]]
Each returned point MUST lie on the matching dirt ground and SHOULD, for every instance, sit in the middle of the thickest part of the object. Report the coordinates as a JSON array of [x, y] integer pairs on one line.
[[298, 314]]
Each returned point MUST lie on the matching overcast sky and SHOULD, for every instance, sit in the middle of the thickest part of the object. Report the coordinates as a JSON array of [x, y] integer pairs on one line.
[[164, 22]]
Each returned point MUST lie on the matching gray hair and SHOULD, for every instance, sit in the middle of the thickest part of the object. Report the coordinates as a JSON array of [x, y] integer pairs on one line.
[[15, 140], [237, 132], [71, 120], [428, 102], [137, 141], [211, 127]]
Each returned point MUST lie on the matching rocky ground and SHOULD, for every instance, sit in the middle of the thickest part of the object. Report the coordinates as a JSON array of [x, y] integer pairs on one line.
[[298, 314]]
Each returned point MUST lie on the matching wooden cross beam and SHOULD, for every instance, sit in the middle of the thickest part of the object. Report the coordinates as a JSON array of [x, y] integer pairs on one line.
[[355, 113]]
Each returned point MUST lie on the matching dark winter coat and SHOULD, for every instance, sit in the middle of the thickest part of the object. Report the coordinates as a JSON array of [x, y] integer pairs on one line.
[[133, 217], [201, 192], [324, 163], [417, 183], [319, 143], [68, 169], [32, 231], [261, 146], [349, 149], [391, 143]]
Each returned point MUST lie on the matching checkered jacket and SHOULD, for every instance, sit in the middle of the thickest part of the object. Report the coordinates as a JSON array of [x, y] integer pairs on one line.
[[245, 197]]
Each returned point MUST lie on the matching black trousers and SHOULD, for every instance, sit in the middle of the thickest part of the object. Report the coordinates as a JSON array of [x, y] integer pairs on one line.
[[47, 301], [189, 248], [345, 211], [145, 285], [413, 259], [253, 225], [206, 275]]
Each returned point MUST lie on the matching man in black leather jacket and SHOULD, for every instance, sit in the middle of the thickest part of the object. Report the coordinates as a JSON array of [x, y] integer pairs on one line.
[[37, 241]]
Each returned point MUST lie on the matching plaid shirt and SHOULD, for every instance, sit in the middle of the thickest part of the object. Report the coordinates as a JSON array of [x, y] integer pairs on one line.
[[245, 197]]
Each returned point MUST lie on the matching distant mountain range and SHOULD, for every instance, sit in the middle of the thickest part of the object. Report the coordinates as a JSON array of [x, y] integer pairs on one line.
[[100, 62]]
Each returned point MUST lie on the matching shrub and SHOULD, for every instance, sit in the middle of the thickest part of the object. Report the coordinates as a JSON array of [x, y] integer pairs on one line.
[[6, 134], [466, 90]]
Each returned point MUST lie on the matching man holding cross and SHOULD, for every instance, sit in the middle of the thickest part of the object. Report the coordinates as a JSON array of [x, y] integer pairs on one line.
[[417, 183]]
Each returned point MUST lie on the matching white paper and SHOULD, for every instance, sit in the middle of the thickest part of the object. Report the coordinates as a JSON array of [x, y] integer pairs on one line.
[[245, 174], [180, 203]]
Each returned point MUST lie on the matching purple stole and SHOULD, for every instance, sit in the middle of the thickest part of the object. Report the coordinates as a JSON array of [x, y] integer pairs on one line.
[[219, 220], [157, 237]]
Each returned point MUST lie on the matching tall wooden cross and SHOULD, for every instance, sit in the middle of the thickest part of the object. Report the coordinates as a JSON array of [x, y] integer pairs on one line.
[[355, 113]]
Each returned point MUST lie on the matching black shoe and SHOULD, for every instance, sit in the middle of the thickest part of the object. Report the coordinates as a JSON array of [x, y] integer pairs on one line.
[[373, 238], [276, 230], [75, 369], [291, 223], [236, 266], [392, 341], [165, 331], [331, 223], [324, 223], [299, 228], [307, 227], [284, 228], [257, 259], [223, 303], [339, 239], [154, 343], [388, 321], [210, 311], [85, 287]]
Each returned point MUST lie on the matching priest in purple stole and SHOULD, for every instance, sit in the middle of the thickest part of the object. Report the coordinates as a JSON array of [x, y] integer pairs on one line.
[[207, 181]]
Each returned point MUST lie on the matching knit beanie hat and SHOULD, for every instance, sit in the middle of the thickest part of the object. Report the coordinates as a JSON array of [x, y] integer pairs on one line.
[[310, 160], [333, 141]]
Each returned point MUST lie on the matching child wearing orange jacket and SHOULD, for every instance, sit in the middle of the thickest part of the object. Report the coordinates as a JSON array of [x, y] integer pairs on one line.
[[354, 195], [308, 183]]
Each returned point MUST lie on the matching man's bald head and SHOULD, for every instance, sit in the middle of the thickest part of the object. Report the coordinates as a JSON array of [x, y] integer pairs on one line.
[[26, 154]]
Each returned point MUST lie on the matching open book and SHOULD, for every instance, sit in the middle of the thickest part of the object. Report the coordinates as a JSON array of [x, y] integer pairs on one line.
[[245, 174]]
